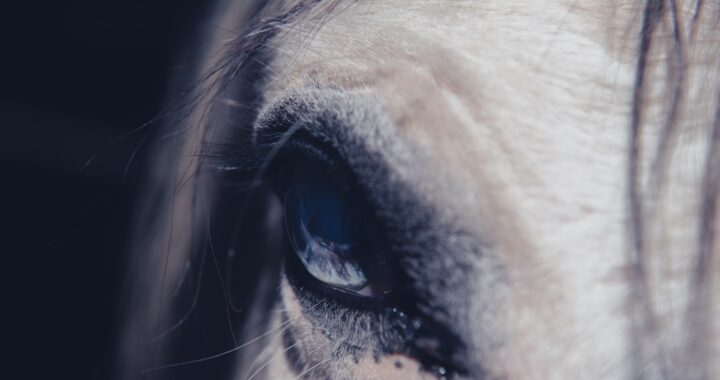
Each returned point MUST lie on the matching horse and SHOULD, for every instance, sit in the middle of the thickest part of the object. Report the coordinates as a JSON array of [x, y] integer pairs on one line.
[[452, 189]]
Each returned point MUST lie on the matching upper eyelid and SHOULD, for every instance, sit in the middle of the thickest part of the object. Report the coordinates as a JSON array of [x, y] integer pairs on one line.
[[290, 116], [292, 122], [346, 126], [273, 149]]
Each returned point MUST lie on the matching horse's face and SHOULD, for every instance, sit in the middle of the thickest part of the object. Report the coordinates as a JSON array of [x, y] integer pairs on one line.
[[500, 189], [491, 140]]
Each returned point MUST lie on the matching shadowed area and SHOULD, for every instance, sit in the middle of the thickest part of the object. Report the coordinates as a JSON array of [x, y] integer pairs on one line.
[[75, 78]]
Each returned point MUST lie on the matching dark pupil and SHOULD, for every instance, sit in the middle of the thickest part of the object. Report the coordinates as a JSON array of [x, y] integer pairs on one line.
[[324, 227]]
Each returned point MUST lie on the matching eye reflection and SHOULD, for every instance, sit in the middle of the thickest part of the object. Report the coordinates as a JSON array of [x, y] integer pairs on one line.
[[325, 228]]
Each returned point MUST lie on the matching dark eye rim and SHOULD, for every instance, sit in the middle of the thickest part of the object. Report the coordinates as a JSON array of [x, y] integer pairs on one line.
[[314, 133], [403, 299]]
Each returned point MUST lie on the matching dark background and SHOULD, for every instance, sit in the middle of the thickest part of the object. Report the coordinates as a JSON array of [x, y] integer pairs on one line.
[[76, 79]]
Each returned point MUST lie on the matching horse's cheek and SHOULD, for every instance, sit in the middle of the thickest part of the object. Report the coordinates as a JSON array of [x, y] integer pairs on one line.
[[391, 367], [310, 354]]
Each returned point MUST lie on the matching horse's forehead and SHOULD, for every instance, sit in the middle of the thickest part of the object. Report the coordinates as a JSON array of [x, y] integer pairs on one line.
[[525, 64], [506, 93], [494, 37]]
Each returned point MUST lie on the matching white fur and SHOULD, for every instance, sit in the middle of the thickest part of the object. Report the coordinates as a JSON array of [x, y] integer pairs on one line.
[[527, 106]]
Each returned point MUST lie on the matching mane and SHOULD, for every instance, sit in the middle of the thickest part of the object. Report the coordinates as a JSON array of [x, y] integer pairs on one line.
[[670, 50]]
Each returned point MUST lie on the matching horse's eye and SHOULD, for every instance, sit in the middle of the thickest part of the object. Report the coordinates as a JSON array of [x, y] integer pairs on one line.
[[327, 229]]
